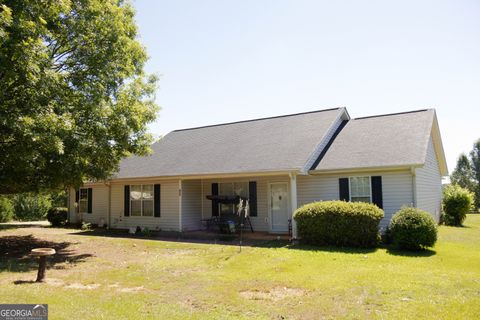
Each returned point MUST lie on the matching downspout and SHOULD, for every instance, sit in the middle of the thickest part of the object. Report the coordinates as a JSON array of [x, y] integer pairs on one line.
[[414, 186], [180, 222], [201, 196], [293, 202]]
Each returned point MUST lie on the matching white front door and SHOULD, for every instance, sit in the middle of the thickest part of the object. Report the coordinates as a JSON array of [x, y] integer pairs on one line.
[[279, 206]]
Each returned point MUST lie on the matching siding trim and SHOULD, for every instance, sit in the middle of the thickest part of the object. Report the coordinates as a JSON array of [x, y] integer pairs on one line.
[[326, 138], [328, 145]]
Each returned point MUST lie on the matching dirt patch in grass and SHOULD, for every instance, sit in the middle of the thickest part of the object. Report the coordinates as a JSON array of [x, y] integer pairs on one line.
[[83, 286], [132, 289], [274, 294]]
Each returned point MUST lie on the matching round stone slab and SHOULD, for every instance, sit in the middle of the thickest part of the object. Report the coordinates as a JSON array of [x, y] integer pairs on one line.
[[43, 252]]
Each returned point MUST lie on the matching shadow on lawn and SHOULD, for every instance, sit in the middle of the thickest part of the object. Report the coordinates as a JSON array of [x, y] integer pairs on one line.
[[390, 249], [232, 240], [15, 253], [8, 226], [348, 250], [422, 253], [174, 236]]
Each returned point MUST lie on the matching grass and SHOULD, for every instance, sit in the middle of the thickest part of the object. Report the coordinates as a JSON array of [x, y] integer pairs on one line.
[[101, 277]]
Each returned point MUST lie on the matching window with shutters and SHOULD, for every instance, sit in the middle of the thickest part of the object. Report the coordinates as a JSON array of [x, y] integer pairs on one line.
[[360, 189], [83, 200], [232, 189], [141, 200]]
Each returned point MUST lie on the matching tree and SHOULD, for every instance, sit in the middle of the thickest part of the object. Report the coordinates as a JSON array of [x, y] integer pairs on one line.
[[74, 99], [463, 173], [475, 163]]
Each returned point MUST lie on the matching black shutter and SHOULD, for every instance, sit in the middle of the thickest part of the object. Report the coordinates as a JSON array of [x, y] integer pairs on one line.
[[344, 189], [126, 201], [156, 200], [77, 196], [252, 198], [89, 208], [377, 197], [214, 202]]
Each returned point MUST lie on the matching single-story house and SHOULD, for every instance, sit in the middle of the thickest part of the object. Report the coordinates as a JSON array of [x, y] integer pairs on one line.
[[279, 164]]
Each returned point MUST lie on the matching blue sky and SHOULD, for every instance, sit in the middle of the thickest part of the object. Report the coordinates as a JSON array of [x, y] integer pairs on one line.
[[226, 60]]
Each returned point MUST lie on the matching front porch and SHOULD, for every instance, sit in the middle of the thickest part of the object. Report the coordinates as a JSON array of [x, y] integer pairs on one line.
[[272, 200]]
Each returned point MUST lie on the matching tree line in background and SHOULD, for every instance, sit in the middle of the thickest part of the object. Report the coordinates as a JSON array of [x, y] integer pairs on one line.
[[30, 206], [467, 172]]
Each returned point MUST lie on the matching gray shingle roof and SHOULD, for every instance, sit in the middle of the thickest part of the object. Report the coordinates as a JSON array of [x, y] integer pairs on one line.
[[270, 144], [380, 141]]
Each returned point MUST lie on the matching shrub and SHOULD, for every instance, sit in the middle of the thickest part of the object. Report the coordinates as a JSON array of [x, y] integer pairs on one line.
[[457, 202], [59, 198], [57, 216], [6, 209], [30, 207], [339, 223], [413, 229]]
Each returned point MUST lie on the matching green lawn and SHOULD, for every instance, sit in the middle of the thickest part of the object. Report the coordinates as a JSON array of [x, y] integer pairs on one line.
[[96, 277]]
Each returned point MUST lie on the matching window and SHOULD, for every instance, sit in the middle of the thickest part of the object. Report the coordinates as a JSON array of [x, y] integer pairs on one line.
[[141, 200], [360, 189], [232, 190], [225, 189], [83, 200]]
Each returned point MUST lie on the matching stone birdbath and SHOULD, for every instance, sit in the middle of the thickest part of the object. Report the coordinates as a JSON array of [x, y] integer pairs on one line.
[[42, 253]]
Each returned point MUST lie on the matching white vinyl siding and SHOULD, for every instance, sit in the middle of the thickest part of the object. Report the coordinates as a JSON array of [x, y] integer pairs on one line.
[[99, 206], [429, 184], [169, 207], [397, 190], [191, 205]]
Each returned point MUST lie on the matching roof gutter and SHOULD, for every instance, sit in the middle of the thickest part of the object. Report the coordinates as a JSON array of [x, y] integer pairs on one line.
[[366, 169], [206, 176]]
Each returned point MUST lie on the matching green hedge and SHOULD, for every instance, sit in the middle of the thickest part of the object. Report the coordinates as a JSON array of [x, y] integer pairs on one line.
[[31, 206], [6, 209], [57, 216], [457, 202], [413, 229], [339, 223]]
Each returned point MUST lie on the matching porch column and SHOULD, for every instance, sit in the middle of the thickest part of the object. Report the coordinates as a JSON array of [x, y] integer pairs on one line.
[[293, 201]]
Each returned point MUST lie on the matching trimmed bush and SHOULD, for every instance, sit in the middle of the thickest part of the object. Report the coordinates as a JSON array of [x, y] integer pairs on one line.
[[31, 207], [339, 223], [57, 216], [413, 229], [6, 209], [457, 202]]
